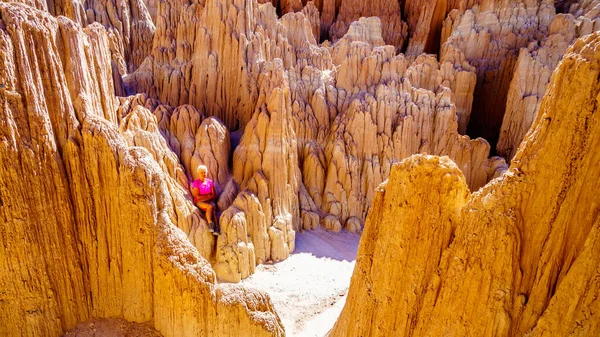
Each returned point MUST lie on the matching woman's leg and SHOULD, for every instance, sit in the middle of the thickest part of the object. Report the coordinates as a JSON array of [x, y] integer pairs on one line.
[[208, 208]]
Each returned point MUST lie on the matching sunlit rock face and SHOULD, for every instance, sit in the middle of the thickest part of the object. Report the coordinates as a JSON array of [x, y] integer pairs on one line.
[[296, 134], [92, 196], [129, 25], [517, 258], [321, 125]]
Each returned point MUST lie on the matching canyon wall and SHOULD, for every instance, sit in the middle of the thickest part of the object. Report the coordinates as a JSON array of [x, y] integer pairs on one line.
[[519, 257], [297, 134], [89, 216], [97, 217]]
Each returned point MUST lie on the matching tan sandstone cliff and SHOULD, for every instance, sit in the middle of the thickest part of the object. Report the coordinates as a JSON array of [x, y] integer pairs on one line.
[[520, 257], [87, 215]]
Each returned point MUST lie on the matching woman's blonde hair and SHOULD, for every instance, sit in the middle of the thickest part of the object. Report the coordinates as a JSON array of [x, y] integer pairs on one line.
[[202, 168]]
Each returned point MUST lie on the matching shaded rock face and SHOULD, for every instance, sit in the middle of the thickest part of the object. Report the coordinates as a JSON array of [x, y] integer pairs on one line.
[[91, 199], [489, 38], [532, 74], [518, 258]]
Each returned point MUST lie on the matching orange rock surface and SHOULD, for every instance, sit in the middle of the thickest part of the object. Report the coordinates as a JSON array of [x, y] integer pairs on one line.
[[520, 257], [299, 109], [89, 199]]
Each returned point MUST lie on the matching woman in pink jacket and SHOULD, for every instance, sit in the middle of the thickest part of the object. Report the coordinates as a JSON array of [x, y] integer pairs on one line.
[[203, 191]]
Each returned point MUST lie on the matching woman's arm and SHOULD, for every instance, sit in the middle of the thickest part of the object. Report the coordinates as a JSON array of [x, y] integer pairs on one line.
[[206, 197], [213, 194], [195, 192]]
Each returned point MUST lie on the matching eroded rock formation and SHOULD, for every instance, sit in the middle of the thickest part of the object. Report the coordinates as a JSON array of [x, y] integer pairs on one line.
[[519, 257], [394, 30], [296, 135], [87, 226], [489, 37], [532, 75], [332, 118]]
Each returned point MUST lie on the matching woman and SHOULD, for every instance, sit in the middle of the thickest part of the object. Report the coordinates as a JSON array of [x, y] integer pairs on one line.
[[203, 191]]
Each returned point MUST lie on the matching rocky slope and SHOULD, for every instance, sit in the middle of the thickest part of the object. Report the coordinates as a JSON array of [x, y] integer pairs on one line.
[[89, 216], [520, 257]]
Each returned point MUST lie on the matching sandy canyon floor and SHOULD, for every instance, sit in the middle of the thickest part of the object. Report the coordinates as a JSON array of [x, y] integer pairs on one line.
[[309, 289]]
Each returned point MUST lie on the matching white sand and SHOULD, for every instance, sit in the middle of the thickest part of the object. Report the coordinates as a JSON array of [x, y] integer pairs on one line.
[[309, 289]]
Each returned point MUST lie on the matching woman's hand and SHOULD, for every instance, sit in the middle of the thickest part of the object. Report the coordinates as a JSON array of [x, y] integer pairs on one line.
[[204, 198]]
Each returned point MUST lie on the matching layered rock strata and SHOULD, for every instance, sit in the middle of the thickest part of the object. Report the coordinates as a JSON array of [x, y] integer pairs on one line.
[[520, 257], [87, 223]]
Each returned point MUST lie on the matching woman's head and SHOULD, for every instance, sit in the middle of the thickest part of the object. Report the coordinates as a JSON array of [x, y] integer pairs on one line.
[[202, 170]]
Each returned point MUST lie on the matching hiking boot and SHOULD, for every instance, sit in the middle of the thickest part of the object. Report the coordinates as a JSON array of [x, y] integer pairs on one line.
[[216, 230], [211, 227]]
